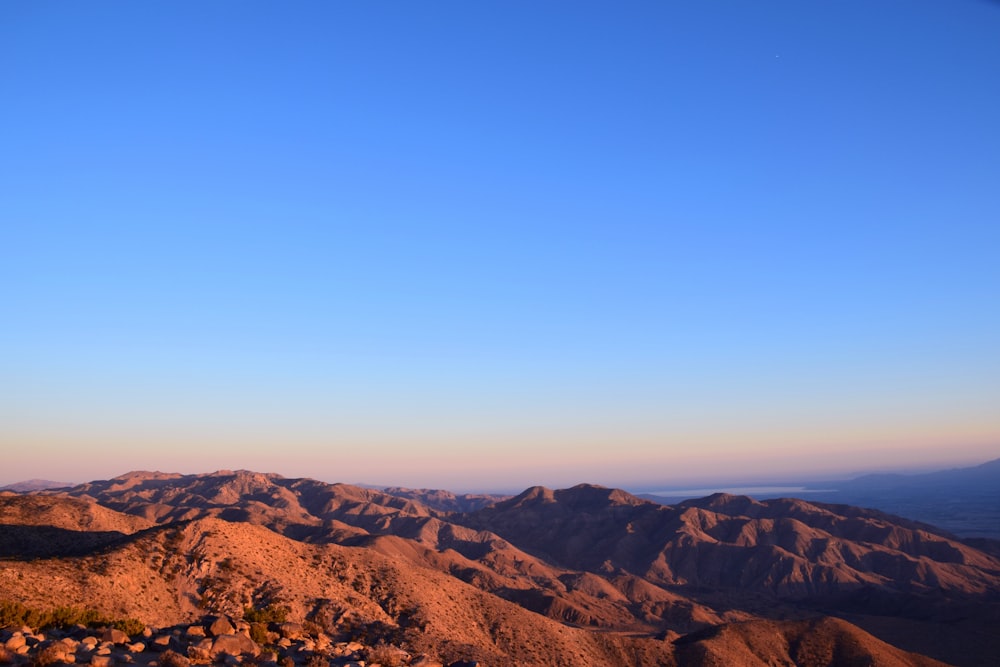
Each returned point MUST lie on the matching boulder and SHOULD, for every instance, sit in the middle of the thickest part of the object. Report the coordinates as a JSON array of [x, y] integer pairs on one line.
[[291, 630], [137, 647], [102, 661], [221, 626], [115, 636], [234, 644], [16, 641], [195, 631], [161, 642]]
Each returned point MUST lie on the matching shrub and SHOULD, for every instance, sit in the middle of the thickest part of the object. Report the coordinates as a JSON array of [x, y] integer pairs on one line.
[[130, 626], [50, 655], [258, 633], [318, 660], [272, 613], [173, 659], [385, 655]]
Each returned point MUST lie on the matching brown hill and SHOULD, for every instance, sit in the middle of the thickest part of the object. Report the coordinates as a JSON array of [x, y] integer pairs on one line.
[[824, 642], [789, 548], [446, 501]]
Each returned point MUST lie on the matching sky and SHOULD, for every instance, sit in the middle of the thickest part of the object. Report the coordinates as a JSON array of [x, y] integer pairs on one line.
[[487, 245]]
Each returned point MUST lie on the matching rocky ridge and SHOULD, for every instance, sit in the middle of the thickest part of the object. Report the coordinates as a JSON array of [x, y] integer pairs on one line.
[[586, 575]]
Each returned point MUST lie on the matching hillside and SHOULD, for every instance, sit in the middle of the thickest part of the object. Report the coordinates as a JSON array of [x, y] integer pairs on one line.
[[586, 575]]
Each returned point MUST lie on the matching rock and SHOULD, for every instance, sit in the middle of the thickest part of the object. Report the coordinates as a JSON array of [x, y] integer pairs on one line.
[[284, 642], [233, 644], [104, 650], [115, 636], [161, 642], [195, 631], [101, 661], [221, 626], [66, 645], [147, 632], [89, 641], [15, 642], [137, 647], [464, 663], [291, 630], [425, 661]]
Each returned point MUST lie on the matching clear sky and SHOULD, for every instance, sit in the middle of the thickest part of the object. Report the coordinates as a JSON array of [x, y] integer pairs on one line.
[[494, 244]]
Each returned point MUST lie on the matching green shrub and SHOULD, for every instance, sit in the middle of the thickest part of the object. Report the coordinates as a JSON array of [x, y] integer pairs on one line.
[[272, 613], [14, 613], [258, 633], [130, 626]]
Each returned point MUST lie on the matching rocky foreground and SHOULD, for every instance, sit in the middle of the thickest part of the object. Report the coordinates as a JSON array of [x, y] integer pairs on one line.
[[213, 640]]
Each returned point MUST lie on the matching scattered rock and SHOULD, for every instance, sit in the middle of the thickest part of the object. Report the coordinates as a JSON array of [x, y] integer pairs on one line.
[[101, 661], [221, 626]]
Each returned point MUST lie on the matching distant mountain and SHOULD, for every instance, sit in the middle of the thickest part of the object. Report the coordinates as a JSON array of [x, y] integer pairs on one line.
[[963, 501], [579, 576], [446, 501], [34, 485]]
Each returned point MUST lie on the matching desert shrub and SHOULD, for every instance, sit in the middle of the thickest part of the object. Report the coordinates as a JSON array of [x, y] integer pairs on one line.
[[318, 660], [130, 626], [173, 659], [312, 628], [14, 613], [258, 632], [385, 655], [50, 655], [272, 613], [198, 655], [11, 613]]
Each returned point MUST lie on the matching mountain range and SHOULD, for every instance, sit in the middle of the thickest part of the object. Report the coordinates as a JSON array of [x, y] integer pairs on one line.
[[580, 576]]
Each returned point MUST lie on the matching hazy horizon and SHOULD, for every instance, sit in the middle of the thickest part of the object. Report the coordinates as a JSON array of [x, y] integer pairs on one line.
[[491, 245], [679, 485]]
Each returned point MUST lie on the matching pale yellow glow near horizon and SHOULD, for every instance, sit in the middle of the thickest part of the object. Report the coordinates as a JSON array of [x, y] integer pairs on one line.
[[509, 459]]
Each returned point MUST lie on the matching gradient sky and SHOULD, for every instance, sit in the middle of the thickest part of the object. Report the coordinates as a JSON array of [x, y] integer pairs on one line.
[[493, 244]]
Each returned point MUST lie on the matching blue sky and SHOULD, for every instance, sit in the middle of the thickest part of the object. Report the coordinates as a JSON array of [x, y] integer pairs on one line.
[[488, 245]]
